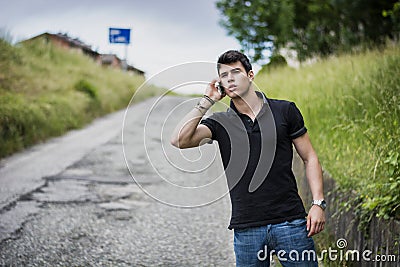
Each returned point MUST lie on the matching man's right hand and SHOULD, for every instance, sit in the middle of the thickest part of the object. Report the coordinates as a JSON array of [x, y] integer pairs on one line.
[[212, 91]]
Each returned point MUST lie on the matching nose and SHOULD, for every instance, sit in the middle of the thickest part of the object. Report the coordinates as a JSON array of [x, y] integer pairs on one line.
[[230, 77]]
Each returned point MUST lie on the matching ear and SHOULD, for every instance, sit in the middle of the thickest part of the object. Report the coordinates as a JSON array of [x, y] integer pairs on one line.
[[251, 75]]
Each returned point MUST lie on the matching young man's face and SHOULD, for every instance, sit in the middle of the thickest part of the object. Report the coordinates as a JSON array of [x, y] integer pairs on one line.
[[234, 79]]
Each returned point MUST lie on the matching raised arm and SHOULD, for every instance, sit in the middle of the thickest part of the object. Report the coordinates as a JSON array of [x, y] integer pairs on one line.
[[189, 133]]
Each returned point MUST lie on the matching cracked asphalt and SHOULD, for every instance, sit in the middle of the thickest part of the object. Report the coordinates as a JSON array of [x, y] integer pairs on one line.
[[73, 201]]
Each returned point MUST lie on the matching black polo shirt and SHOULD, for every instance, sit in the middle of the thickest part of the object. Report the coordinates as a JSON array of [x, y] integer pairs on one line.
[[261, 151]]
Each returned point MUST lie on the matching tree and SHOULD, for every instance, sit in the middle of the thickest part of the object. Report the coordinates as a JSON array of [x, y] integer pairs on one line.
[[310, 27], [258, 25], [394, 15]]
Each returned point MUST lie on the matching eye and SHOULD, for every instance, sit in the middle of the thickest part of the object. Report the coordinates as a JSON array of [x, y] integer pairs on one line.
[[223, 75], [235, 71]]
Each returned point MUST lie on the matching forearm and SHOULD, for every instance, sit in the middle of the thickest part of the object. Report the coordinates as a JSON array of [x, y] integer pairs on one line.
[[184, 133], [314, 177]]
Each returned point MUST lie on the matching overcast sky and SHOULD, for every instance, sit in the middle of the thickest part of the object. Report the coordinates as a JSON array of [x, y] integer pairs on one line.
[[164, 33]]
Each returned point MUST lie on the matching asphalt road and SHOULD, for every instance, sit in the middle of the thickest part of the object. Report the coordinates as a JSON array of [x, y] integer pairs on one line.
[[87, 199]]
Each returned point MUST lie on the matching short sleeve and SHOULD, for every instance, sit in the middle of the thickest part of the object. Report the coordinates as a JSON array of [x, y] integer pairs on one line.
[[295, 122], [212, 125]]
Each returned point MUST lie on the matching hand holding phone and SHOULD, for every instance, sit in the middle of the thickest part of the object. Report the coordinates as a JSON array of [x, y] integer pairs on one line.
[[220, 88], [215, 90]]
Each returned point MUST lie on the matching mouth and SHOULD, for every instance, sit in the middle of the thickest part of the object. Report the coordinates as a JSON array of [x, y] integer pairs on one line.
[[232, 87]]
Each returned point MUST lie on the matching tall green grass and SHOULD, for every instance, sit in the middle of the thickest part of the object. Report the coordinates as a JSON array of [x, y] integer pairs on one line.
[[351, 106], [46, 91]]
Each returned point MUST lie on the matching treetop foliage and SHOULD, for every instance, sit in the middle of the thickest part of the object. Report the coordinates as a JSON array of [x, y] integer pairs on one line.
[[309, 27]]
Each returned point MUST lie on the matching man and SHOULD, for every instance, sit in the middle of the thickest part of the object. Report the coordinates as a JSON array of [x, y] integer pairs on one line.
[[268, 216]]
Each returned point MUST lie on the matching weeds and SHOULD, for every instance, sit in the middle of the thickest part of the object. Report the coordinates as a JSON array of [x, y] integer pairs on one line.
[[46, 91], [351, 108]]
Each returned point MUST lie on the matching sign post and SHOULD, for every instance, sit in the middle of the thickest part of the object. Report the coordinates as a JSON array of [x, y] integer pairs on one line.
[[120, 36]]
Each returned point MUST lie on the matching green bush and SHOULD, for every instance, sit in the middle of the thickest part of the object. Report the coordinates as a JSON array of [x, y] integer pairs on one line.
[[87, 88], [276, 61]]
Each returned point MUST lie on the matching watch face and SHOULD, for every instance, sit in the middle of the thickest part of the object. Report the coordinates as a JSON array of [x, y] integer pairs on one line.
[[323, 204]]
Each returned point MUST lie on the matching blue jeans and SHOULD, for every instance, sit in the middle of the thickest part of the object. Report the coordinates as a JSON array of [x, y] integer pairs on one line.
[[287, 240]]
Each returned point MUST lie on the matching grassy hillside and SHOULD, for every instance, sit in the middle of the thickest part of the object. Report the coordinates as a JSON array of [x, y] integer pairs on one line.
[[46, 90], [351, 108]]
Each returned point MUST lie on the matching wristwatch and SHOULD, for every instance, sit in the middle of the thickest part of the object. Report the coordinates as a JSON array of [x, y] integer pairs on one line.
[[321, 203]]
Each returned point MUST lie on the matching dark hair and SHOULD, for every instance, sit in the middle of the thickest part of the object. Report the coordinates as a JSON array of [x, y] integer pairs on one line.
[[233, 56]]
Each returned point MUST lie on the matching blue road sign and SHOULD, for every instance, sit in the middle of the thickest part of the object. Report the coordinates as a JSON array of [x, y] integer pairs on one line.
[[119, 36]]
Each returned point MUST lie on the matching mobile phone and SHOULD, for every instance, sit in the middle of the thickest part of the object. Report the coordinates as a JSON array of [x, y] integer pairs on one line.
[[221, 89]]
